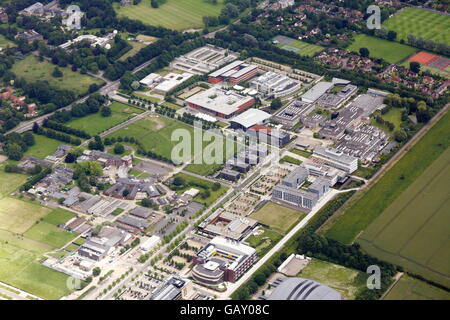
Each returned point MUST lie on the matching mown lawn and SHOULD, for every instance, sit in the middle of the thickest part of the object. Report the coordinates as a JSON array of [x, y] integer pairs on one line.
[[421, 23], [277, 217], [172, 14], [390, 51], [96, 123]]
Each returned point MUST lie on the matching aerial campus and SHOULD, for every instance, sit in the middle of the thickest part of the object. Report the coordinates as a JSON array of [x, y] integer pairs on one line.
[[224, 150]]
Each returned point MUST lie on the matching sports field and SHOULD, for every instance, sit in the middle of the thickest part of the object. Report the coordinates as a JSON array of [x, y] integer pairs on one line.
[[277, 217], [434, 63], [391, 52], [421, 23], [408, 288], [372, 202], [33, 70], [96, 123], [413, 231], [173, 14], [300, 47], [345, 280], [154, 133], [19, 254]]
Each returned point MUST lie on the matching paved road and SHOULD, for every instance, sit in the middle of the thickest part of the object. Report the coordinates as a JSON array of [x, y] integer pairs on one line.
[[109, 87]]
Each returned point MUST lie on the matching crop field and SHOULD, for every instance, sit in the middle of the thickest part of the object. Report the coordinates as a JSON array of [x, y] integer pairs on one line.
[[421, 23], [18, 216], [345, 280], [391, 52], [33, 70], [96, 123], [362, 211], [173, 14], [277, 217], [413, 231], [408, 288], [58, 216]]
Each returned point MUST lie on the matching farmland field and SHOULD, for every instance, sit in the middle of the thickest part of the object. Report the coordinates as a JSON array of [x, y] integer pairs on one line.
[[364, 210], [49, 234], [408, 288], [277, 217], [391, 52], [33, 70], [424, 24], [96, 123], [345, 280], [173, 14], [413, 231]]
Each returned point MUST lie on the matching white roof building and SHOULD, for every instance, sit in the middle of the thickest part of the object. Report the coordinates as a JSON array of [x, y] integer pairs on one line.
[[250, 118], [313, 94]]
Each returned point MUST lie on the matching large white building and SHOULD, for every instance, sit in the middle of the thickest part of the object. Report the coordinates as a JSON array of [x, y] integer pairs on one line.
[[275, 84], [336, 158], [220, 103]]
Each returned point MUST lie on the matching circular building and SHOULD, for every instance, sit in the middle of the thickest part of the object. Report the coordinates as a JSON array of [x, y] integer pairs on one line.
[[303, 289]]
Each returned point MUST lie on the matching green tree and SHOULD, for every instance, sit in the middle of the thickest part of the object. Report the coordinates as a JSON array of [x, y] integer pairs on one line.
[[119, 149]]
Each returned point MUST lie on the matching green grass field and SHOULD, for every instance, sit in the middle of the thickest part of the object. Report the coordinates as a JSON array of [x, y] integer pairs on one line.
[[345, 280], [58, 216], [394, 115], [391, 52], [43, 147], [50, 234], [413, 231], [264, 241], [19, 255], [5, 42], [96, 123], [277, 217], [421, 23], [33, 70], [154, 133], [302, 48], [408, 288], [368, 206], [173, 14], [194, 181]]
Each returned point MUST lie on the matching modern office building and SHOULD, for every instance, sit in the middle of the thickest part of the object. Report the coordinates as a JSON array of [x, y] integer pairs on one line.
[[228, 225], [204, 60], [220, 103], [336, 158], [272, 84], [175, 288], [249, 118], [235, 72], [222, 260]]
